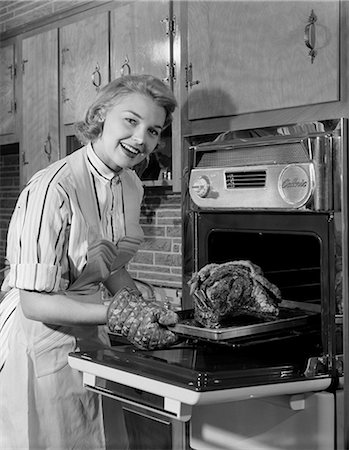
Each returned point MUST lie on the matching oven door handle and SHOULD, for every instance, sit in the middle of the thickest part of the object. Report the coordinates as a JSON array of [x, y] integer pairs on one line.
[[172, 409]]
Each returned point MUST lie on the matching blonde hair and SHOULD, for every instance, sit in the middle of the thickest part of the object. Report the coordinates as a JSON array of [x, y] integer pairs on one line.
[[91, 127]]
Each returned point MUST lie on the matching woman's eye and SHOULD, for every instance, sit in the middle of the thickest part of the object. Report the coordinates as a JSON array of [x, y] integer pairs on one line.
[[154, 132], [131, 121]]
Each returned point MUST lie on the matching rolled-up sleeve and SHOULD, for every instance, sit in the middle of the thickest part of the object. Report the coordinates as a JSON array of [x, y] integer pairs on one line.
[[37, 236]]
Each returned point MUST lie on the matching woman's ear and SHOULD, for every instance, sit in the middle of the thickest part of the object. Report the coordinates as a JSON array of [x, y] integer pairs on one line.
[[100, 115]]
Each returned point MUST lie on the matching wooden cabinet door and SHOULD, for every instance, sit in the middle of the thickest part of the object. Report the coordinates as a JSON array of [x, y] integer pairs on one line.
[[7, 90], [84, 64], [139, 40], [136, 47], [251, 56], [40, 139]]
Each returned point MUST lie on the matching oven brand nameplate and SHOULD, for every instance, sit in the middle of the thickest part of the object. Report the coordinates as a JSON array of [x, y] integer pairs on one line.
[[274, 186]]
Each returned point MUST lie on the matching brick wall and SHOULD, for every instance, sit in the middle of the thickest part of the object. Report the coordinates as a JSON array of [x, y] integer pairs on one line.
[[159, 261], [16, 13], [9, 190]]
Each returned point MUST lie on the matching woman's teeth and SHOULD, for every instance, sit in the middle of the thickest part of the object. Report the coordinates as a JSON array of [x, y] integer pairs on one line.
[[130, 149]]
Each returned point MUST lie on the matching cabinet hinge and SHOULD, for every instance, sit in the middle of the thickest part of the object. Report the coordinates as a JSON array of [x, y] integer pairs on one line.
[[322, 365], [13, 70], [317, 365], [171, 73], [170, 25]]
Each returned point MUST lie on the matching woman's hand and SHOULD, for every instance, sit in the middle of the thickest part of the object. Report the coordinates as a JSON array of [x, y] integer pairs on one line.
[[143, 323]]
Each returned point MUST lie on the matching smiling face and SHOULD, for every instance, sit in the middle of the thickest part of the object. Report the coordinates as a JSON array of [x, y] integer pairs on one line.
[[131, 131]]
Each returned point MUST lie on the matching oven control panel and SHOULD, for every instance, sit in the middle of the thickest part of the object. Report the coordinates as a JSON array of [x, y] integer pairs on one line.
[[264, 186]]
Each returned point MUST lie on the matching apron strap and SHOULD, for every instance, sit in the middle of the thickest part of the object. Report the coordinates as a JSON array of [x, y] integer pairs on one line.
[[132, 198], [77, 163]]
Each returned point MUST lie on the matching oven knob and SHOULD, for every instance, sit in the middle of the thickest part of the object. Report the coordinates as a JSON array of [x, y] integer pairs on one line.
[[201, 186]]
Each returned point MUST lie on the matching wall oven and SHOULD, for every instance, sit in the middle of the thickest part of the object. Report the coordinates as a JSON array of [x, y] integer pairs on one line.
[[278, 198], [276, 201]]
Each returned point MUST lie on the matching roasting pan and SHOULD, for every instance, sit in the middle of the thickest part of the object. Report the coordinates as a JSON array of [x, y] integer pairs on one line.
[[292, 315]]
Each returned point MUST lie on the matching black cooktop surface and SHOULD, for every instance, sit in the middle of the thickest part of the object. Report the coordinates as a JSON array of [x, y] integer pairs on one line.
[[206, 366]]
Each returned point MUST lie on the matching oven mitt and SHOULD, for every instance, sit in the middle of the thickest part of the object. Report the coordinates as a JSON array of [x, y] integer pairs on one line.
[[143, 323]]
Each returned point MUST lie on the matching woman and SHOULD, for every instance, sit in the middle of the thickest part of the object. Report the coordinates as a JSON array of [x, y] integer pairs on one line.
[[75, 226]]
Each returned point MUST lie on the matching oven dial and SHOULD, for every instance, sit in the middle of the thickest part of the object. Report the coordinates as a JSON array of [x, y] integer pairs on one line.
[[201, 186]]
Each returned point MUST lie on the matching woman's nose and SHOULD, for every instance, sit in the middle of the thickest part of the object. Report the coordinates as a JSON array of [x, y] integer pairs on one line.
[[139, 136]]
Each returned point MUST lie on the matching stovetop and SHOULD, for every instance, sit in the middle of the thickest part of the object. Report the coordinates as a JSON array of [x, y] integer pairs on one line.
[[204, 366]]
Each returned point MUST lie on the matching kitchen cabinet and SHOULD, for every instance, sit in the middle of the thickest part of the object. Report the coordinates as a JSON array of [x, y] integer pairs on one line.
[[136, 47], [7, 90], [84, 62], [40, 136], [247, 57]]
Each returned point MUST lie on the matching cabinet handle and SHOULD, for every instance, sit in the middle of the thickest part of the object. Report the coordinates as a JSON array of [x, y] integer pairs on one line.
[[189, 77], [64, 51], [24, 161], [13, 108], [24, 61], [64, 98], [310, 35], [125, 65], [96, 77], [48, 147]]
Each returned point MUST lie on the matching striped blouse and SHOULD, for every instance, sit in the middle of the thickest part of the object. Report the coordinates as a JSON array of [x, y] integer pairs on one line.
[[47, 237]]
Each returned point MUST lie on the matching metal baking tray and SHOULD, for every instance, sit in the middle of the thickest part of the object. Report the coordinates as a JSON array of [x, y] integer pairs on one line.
[[292, 315]]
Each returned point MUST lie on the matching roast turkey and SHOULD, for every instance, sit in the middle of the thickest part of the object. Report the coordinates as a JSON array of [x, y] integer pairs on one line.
[[222, 292]]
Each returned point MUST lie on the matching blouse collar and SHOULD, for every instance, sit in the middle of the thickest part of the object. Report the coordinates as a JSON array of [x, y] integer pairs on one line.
[[98, 165]]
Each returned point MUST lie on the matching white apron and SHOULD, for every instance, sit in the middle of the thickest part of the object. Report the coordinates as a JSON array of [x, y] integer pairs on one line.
[[43, 402]]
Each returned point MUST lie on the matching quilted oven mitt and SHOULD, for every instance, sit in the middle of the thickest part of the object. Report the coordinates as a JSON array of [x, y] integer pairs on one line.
[[143, 323]]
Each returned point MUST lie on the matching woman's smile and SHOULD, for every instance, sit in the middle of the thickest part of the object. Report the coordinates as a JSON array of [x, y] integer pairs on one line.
[[129, 150]]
